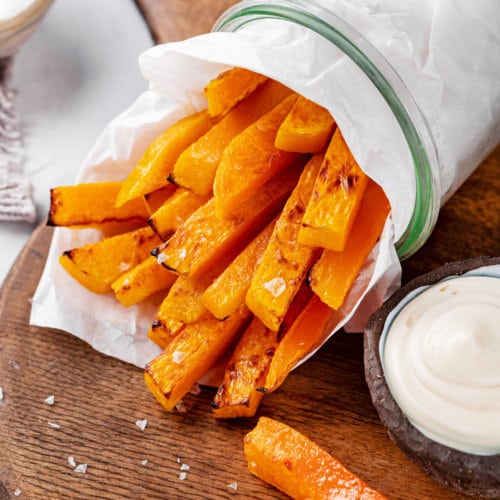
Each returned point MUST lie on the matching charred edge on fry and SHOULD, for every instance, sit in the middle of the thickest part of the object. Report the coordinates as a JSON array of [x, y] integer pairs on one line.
[[171, 179]]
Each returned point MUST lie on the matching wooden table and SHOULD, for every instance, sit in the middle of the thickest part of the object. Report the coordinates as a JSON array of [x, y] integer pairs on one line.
[[98, 399]]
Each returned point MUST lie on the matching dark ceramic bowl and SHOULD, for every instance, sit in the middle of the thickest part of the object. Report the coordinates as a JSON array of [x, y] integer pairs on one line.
[[464, 472]]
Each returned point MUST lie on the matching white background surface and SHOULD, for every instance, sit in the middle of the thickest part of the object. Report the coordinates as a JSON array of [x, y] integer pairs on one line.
[[77, 72]]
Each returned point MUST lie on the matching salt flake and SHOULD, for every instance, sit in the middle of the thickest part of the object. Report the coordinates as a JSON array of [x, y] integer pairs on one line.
[[144, 462], [233, 486], [124, 266], [276, 286], [161, 258], [185, 467], [177, 356], [182, 476], [195, 390], [1, 394], [141, 423], [180, 407], [50, 400], [17, 492], [54, 425], [71, 462], [82, 468]]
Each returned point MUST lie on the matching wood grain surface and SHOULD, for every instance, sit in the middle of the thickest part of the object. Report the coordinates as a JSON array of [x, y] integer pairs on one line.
[[99, 399]]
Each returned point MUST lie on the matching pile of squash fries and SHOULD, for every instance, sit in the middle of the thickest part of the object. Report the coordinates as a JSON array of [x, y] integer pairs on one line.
[[250, 219]]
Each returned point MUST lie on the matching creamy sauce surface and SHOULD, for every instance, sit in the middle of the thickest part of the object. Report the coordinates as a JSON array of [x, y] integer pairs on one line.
[[441, 359], [12, 8]]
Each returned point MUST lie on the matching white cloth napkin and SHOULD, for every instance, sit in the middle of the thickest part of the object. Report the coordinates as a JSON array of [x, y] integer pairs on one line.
[[16, 200]]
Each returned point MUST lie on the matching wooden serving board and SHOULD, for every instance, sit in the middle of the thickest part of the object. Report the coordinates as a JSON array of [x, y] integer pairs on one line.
[[98, 399]]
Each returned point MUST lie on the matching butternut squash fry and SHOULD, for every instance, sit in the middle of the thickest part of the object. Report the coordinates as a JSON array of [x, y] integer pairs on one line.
[[91, 205], [305, 334], [97, 265], [332, 275], [143, 280], [285, 262], [250, 160], [163, 331], [151, 171], [246, 371], [285, 458], [183, 301], [306, 129], [228, 290], [157, 198], [190, 355], [196, 166], [204, 237], [237, 395], [174, 212], [229, 88], [336, 198]]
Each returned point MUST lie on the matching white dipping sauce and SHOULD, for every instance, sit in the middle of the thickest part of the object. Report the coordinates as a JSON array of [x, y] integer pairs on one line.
[[12, 8], [441, 359]]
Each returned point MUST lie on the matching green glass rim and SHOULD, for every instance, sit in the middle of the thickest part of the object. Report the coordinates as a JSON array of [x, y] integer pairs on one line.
[[312, 15]]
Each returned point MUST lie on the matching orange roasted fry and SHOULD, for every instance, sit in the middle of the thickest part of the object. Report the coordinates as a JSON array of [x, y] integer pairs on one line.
[[250, 160], [285, 458], [306, 129], [306, 333], [174, 212], [151, 171], [285, 262], [157, 198], [204, 237], [183, 301], [196, 166], [97, 265], [142, 281], [333, 274], [164, 329], [228, 290], [190, 355], [336, 198], [246, 371], [229, 88], [91, 205]]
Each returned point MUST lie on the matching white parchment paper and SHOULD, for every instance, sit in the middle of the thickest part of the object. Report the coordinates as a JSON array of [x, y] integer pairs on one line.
[[437, 71]]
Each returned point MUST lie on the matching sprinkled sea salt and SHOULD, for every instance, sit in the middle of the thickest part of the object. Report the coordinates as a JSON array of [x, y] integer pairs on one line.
[[14, 364], [144, 462], [81, 468], [71, 462], [50, 400], [53, 425], [182, 476], [141, 423], [177, 356], [276, 286], [17, 492], [180, 407], [124, 266], [161, 257], [1, 394], [195, 390], [185, 467], [233, 486]]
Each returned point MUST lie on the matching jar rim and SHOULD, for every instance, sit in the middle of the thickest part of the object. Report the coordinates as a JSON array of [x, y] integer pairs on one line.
[[312, 15]]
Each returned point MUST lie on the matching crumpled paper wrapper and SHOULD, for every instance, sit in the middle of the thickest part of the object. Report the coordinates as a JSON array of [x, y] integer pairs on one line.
[[313, 67]]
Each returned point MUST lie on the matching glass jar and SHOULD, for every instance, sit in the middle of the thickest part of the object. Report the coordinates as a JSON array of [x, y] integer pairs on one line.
[[430, 191]]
